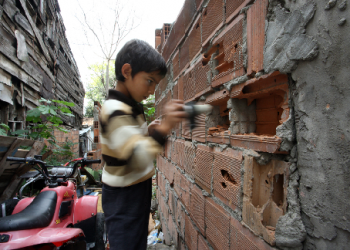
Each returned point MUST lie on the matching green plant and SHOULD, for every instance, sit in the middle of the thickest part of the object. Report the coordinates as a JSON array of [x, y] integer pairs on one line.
[[45, 119], [61, 154], [3, 129], [149, 108]]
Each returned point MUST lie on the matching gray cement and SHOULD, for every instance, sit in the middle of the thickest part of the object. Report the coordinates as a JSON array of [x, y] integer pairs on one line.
[[286, 41], [311, 40]]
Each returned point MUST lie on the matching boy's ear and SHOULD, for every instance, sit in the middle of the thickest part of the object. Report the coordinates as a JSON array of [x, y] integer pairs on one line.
[[126, 70]]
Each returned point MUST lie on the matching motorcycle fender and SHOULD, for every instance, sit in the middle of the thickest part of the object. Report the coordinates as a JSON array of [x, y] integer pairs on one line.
[[22, 204], [25, 238], [85, 208]]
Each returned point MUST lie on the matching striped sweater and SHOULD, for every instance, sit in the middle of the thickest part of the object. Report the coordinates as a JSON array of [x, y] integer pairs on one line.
[[127, 149]]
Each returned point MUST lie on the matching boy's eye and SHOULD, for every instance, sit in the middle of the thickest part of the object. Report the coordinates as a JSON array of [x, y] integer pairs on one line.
[[149, 82]]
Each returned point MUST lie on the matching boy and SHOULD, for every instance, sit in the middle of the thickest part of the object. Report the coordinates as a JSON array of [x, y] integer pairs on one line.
[[126, 147]]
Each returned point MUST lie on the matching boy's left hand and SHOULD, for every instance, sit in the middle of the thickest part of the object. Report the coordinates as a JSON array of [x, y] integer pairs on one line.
[[152, 126]]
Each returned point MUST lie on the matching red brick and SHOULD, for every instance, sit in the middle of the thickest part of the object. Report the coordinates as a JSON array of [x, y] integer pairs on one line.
[[212, 19], [202, 244], [165, 230], [189, 159], [233, 7], [172, 202], [164, 208], [230, 43], [180, 88], [182, 245], [191, 235], [242, 238], [199, 3], [162, 184], [197, 208], [184, 55], [169, 171], [172, 230], [182, 187], [199, 132], [180, 218], [178, 153], [167, 148], [195, 39], [256, 35], [176, 66], [203, 167], [189, 84], [201, 76], [227, 176], [186, 131], [160, 163], [217, 222]]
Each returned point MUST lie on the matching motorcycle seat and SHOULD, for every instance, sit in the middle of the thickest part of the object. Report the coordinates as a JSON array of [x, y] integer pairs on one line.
[[37, 214]]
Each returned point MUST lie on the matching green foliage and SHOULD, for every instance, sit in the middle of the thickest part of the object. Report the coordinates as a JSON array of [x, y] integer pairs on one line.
[[3, 129], [45, 120], [149, 108], [61, 154], [95, 89]]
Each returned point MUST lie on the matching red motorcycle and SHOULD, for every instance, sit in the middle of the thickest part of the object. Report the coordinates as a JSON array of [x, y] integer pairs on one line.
[[55, 218]]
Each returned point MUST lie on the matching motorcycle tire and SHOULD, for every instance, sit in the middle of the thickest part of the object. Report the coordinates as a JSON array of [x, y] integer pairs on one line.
[[101, 232]]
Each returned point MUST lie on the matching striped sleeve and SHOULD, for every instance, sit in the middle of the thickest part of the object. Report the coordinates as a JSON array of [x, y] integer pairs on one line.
[[124, 139]]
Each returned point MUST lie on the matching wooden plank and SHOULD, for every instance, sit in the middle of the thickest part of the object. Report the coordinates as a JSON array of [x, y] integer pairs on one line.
[[1, 11], [22, 52], [37, 34], [6, 141], [7, 193], [13, 69], [3, 163], [22, 21], [10, 52]]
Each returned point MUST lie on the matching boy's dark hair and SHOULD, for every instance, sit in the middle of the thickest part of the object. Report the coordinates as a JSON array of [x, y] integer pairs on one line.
[[141, 56]]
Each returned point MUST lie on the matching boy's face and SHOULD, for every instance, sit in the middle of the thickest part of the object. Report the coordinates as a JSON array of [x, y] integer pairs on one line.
[[143, 84]]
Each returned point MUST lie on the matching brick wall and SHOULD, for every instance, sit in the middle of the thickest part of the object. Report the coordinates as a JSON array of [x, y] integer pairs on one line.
[[224, 184], [72, 136]]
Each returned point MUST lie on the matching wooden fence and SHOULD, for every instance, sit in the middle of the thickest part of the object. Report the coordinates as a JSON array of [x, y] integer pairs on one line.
[[10, 174]]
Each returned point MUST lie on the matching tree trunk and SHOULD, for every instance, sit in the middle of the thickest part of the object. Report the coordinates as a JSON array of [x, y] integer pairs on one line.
[[107, 77]]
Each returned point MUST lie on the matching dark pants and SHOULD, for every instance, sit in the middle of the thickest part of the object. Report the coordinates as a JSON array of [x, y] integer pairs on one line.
[[127, 212]]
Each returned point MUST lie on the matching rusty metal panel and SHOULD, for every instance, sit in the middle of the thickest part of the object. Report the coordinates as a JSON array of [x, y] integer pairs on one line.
[[203, 167], [212, 17], [256, 35]]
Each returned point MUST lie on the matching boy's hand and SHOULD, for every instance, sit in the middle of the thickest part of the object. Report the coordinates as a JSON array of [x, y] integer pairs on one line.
[[152, 126], [173, 114]]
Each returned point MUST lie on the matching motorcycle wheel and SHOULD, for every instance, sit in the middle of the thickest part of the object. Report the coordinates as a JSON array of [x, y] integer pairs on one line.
[[101, 232]]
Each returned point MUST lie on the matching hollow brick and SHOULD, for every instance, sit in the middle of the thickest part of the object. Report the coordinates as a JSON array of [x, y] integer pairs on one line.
[[191, 235], [217, 222], [197, 208], [203, 167], [227, 176]]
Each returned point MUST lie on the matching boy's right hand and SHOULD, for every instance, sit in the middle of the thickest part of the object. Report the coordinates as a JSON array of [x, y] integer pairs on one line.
[[173, 114]]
